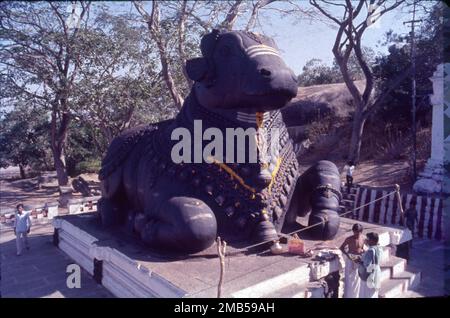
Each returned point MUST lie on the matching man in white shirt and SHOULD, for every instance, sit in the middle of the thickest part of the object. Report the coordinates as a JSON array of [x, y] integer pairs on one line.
[[22, 227], [349, 168]]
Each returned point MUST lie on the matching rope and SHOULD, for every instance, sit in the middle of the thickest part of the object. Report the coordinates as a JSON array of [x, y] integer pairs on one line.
[[244, 249]]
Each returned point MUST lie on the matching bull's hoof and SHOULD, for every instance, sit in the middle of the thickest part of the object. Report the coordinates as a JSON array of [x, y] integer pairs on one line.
[[265, 232], [327, 224]]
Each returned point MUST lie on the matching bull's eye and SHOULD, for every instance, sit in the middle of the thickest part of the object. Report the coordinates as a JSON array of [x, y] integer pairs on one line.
[[225, 51]]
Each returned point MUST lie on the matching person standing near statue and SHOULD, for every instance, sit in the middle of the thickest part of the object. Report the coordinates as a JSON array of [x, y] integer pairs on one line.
[[349, 168], [22, 226], [411, 220], [369, 269], [353, 247]]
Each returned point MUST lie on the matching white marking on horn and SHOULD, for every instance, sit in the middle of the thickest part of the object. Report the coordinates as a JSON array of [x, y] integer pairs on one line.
[[256, 50], [263, 53], [260, 47], [253, 52]]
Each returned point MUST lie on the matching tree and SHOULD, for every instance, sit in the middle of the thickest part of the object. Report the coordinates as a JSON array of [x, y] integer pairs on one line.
[[40, 55], [396, 107], [315, 72], [353, 21], [118, 77], [24, 139], [354, 69]]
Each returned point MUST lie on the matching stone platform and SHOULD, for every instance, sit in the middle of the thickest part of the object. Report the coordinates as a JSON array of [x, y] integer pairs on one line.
[[129, 269]]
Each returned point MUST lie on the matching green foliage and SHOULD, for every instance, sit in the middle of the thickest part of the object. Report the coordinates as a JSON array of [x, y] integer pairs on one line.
[[315, 72], [80, 146], [89, 166], [396, 107], [24, 139]]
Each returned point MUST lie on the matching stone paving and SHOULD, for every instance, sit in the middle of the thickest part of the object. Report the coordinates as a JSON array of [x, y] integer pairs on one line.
[[432, 259], [40, 271]]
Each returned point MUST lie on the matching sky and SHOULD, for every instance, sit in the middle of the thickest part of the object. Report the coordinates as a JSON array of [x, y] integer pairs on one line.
[[302, 39]]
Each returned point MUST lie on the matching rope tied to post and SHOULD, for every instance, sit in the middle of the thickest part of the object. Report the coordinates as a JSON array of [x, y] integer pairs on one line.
[[221, 251], [245, 249]]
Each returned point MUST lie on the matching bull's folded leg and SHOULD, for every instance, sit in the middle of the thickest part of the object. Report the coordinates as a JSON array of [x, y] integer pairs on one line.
[[109, 212], [319, 187], [181, 224]]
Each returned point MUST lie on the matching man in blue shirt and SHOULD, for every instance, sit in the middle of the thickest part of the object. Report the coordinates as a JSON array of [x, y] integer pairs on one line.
[[22, 227], [371, 260]]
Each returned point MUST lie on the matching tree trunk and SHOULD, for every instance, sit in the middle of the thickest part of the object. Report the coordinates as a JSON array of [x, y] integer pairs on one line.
[[176, 97], [58, 140], [22, 171], [359, 121], [181, 42], [60, 167]]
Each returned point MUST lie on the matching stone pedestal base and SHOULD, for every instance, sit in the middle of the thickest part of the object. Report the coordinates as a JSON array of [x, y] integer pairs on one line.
[[129, 269], [431, 179]]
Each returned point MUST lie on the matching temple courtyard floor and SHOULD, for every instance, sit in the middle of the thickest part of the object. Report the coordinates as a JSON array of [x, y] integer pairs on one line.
[[41, 271]]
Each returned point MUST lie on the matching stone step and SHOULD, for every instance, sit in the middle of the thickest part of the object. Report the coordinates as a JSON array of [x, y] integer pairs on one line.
[[309, 290], [400, 284], [393, 267], [251, 285]]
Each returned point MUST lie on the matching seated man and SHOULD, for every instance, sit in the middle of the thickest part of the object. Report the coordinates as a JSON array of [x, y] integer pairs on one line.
[[353, 247]]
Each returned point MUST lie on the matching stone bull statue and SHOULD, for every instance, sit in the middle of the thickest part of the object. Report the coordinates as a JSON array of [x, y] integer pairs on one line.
[[241, 82]]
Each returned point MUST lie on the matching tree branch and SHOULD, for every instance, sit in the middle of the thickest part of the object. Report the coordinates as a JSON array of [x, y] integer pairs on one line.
[[256, 7], [232, 15]]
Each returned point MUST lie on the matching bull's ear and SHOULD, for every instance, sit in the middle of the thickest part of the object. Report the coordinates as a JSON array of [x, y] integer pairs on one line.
[[208, 43], [197, 68]]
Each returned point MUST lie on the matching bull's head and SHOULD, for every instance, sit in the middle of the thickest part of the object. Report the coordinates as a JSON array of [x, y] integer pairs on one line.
[[241, 71]]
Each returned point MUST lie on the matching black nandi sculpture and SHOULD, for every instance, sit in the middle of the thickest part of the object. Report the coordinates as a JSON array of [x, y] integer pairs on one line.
[[241, 82]]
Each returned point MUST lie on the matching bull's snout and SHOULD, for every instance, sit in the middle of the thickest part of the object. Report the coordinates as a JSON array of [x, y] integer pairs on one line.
[[282, 81]]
